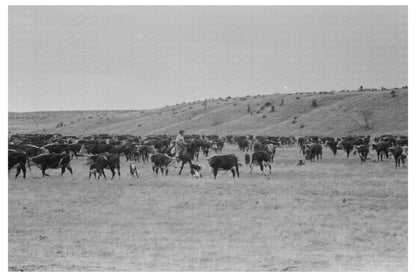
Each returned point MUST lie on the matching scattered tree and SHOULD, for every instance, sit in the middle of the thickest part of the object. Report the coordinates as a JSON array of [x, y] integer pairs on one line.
[[367, 116]]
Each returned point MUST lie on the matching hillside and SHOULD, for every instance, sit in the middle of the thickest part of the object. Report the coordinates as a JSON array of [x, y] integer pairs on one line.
[[336, 114]]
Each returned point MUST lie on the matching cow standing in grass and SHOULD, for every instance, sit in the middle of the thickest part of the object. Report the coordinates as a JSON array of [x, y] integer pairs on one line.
[[382, 149], [399, 153], [313, 151], [105, 161], [262, 159], [55, 161], [224, 162], [18, 159], [362, 151], [160, 161]]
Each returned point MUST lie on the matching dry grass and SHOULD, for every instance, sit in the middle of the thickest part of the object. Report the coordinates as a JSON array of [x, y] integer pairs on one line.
[[293, 220], [337, 114]]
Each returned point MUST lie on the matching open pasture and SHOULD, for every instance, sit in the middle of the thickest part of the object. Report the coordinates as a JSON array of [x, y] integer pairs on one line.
[[331, 215]]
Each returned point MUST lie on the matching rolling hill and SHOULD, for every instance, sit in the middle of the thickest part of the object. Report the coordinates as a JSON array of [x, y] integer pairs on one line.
[[335, 114]]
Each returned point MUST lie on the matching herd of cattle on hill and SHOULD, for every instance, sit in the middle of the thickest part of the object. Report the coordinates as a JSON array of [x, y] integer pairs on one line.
[[104, 151]]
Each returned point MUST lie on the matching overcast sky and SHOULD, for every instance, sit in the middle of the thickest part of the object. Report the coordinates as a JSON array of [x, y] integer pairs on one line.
[[142, 57]]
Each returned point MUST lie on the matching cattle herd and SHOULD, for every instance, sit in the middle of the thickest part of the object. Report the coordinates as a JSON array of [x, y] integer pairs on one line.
[[54, 151]]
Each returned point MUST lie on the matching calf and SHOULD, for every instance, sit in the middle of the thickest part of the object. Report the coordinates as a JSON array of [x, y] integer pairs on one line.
[[106, 161], [162, 162], [95, 169], [224, 162], [196, 170], [133, 170], [261, 158]]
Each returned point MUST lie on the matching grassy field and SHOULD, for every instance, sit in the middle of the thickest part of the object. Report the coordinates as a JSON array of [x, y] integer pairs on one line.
[[336, 114], [334, 215]]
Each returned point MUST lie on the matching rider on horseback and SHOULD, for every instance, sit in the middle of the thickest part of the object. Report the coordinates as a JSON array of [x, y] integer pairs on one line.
[[179, 143]]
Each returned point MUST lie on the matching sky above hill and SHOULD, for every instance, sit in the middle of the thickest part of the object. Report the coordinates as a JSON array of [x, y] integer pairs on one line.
[[143, 57]]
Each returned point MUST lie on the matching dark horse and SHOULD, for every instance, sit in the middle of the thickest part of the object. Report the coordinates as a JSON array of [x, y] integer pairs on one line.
[[186, 156]]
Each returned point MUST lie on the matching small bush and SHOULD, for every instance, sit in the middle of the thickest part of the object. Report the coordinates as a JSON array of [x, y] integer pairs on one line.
[[314, 103], [294, 121], [297, 97], [264, 116], [301, 126]]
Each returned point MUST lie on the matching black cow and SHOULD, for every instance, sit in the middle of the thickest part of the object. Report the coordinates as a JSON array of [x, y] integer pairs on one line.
[[362, 151], [313, 151], [30, 150], [347, 145], [106, 161], [247, 159], [52, 160], [95, 169], [162, 161], [100, 148], [381, 148], [399, 154], [224, 162], [332, 145], [18, 159], [57, 148], [261, 158]]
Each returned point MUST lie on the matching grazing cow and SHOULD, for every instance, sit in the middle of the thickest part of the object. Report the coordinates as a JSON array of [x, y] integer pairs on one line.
[[362, 151], [247, 159], [162, 161], [261, 158], [224, 162], [52, 160], [381, 148], [106, 161], [133, 170], [399, 155], [18, 159]]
